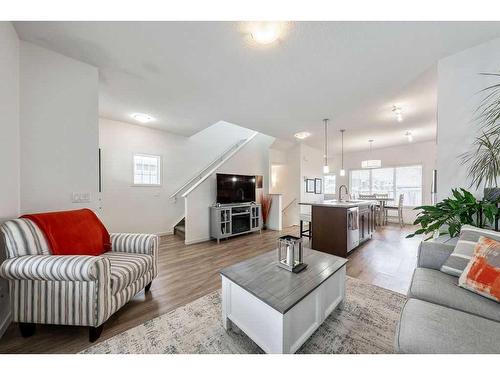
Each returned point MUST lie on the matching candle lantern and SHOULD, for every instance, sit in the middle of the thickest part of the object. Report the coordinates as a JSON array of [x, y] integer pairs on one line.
[[290, 254]]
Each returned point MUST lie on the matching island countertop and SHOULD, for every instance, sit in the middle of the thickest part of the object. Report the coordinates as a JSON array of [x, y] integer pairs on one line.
[[339, 204]]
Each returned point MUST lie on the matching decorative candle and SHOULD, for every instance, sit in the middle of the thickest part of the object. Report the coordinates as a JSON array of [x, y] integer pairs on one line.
[[289, 256]]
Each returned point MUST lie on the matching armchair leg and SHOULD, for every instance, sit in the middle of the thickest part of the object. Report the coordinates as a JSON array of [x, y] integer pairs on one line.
[[95, 333], [27, 329], [148, 287]]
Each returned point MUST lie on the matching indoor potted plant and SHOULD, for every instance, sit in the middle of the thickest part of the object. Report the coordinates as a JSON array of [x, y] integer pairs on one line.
[[483, 159], [453, 212], [265, 201]]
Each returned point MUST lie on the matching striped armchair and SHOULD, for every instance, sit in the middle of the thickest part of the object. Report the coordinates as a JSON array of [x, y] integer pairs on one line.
[[76, 290]]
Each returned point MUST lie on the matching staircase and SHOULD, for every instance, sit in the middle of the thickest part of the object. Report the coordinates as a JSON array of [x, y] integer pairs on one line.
[[180, 229], [199, 178], [210, 169]]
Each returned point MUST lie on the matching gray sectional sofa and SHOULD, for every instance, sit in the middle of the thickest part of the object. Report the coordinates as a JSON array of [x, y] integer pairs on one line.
[[441, 317]]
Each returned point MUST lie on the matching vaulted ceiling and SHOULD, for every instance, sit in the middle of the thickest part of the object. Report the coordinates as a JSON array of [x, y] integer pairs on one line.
[[189, 75]]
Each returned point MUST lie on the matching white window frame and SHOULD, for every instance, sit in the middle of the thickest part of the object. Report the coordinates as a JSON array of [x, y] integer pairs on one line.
[[160, 172], [393, 177]]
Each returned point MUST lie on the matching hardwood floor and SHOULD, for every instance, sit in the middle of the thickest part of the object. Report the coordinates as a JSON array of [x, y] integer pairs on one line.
[[189, 272]]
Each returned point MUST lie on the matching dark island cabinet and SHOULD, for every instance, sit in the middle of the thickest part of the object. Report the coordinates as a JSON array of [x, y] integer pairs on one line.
[[366, 222]]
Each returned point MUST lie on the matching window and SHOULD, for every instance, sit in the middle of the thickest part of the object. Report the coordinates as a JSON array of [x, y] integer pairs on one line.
[[329, 184], [409, 183], [147, 170], [393, 181], [360, 182], [383, 181]]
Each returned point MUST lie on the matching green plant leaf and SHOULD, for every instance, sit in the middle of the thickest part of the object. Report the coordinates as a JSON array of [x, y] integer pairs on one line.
[[453, 212]]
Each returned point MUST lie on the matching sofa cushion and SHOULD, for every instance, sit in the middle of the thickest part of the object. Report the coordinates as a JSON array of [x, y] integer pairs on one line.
[[127, 268], [464, 249], [426, 328], [23, 237], [437, 287]]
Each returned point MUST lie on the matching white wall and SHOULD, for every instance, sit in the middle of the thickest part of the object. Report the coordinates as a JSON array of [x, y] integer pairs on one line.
[[59, 130], [9, 144], [459, 84], [311, 167], [182, 158], [275, 220], [292, 166], [284, 174], [423, 153], [9, 108], [253, 159]]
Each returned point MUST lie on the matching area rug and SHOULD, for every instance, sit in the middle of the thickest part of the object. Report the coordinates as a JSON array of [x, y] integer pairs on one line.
[[365, 324]]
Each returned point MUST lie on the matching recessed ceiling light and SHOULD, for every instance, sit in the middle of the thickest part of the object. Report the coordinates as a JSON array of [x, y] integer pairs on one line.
[[302, 135], [398, 112], [142, 117], [266, 32]]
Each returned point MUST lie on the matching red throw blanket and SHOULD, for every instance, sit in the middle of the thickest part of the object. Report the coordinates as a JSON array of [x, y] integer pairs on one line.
[[77, 232]]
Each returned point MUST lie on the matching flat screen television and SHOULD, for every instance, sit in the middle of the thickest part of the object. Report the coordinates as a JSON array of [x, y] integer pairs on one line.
[[233, 188]]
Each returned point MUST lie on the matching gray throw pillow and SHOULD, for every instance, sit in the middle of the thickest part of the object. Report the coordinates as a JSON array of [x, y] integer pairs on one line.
[[464, 249]]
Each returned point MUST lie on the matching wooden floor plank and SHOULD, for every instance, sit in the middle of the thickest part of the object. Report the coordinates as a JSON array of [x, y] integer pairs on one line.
[[190, 272]]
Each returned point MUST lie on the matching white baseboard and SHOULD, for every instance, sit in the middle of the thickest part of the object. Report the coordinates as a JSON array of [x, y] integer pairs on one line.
[[192, 242], [6, 322], [274, 228], [171, 231]]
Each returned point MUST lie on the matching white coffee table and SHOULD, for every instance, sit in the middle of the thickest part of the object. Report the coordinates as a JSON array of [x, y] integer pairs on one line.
[[277, 309]]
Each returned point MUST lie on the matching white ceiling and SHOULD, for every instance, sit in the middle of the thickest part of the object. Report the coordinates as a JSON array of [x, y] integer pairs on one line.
[[189, 75]]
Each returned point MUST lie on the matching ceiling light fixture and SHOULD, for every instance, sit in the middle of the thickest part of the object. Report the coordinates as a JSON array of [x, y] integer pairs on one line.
[[266, 32], [398, 112], [302, 135], [371, 163], [409, 136], [342, 170], [326, 168], [142, 117]]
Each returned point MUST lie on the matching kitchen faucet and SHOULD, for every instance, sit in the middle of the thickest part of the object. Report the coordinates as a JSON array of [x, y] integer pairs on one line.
[[340, 192]]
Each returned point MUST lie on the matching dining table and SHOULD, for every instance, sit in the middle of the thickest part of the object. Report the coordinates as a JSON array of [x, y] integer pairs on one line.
[[382, 203]]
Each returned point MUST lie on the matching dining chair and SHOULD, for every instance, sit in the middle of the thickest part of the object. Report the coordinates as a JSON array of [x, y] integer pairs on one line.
[[399, 209], [367, 196]]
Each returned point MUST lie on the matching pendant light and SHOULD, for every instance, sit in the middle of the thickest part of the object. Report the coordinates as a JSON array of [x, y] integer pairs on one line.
[[342, 170], [326, 168], [371, 163]]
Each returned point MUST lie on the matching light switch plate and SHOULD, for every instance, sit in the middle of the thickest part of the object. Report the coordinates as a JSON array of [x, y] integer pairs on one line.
[[77, 197]]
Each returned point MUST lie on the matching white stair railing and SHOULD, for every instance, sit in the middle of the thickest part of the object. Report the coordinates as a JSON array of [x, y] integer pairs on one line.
[[206, 172], [289, 205], [211, 170]]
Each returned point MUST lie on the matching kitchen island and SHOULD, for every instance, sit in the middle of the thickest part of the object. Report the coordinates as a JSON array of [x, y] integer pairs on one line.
[[338, 227]]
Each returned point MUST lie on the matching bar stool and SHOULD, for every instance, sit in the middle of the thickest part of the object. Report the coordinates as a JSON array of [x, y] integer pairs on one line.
[[305, 232]]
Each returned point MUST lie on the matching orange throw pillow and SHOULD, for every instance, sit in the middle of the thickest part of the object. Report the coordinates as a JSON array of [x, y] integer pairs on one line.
[[482, 274]]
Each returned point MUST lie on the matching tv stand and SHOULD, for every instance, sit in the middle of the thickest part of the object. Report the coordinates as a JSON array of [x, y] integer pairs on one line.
[[230, 220]]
